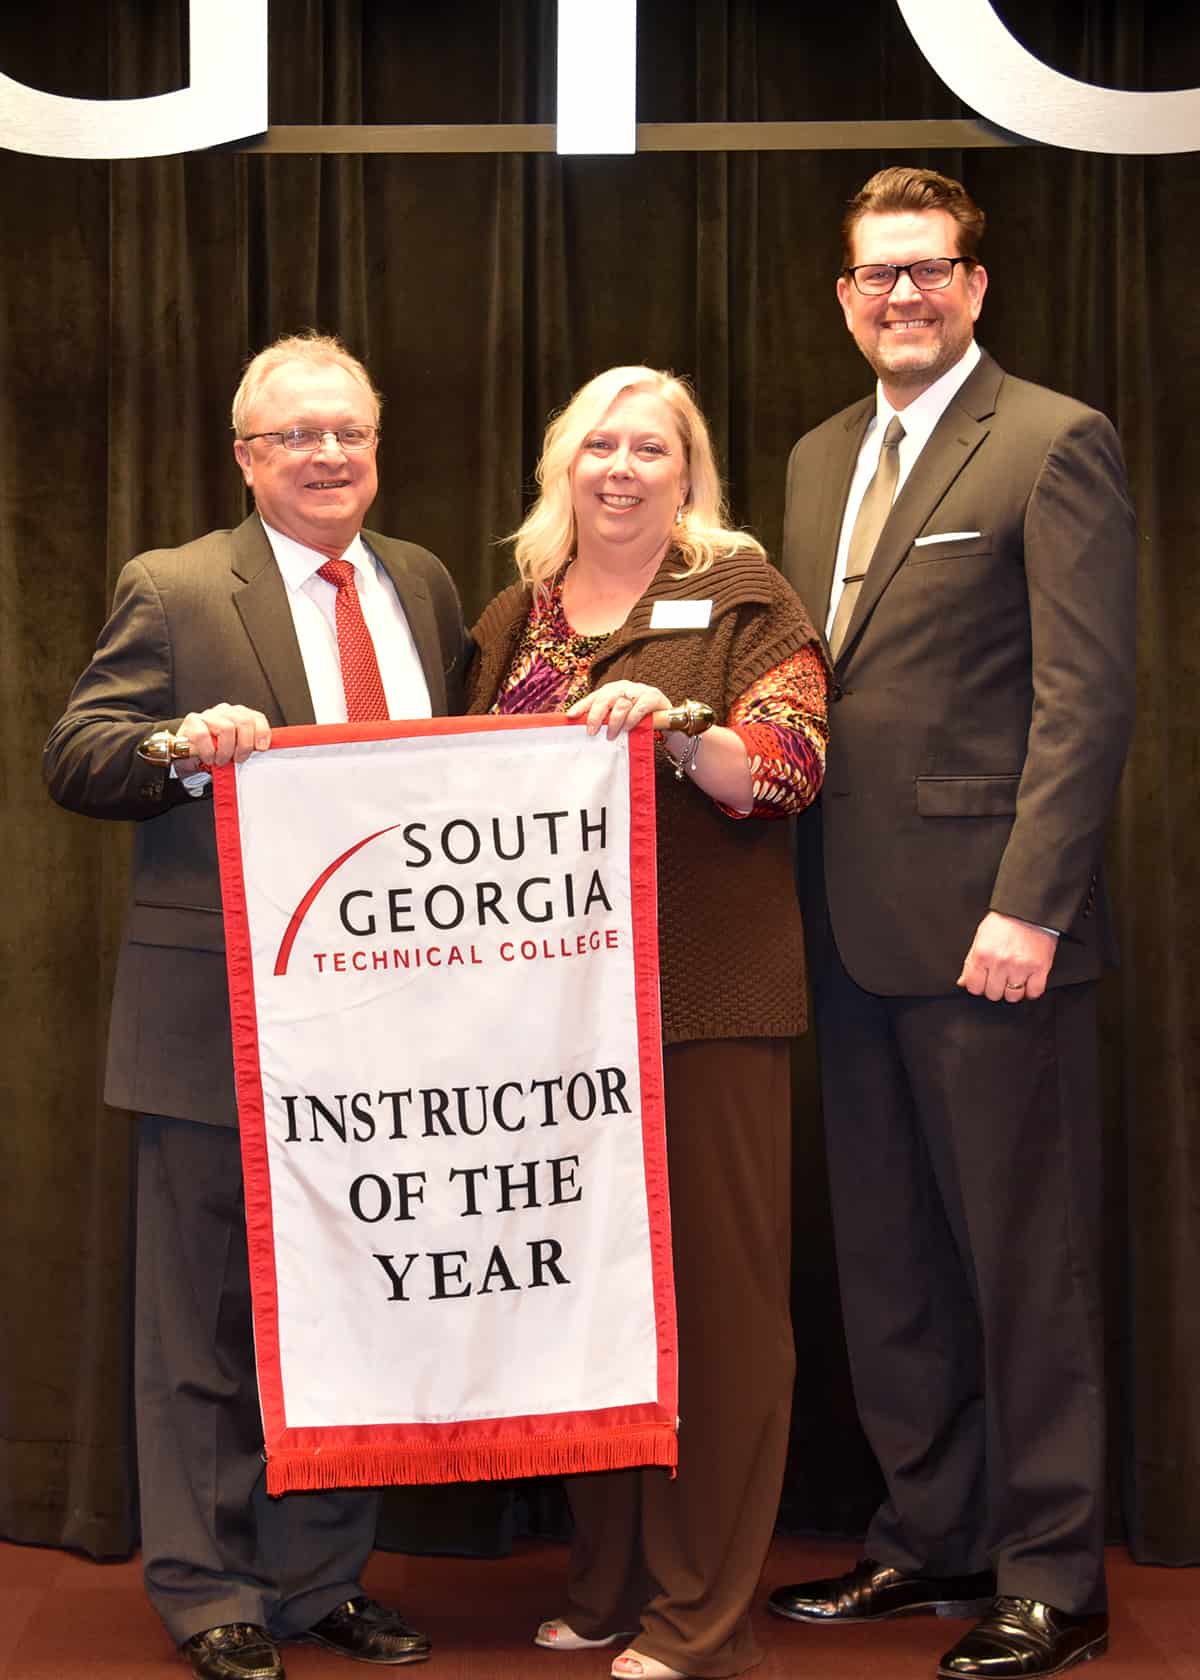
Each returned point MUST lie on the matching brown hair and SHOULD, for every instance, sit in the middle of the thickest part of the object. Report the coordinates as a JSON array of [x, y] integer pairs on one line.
[[902, 187]]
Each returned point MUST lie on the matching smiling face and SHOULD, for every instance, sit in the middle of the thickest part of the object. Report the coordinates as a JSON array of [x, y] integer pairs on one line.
[[911, 337], [317, 497], [630, 476]]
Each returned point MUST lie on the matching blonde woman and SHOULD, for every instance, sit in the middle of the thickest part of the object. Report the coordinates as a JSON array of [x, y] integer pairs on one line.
[[629, 524]]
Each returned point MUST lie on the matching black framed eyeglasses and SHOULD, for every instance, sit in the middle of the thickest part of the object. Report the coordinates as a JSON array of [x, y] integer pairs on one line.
[[930, 274], [302, 440]]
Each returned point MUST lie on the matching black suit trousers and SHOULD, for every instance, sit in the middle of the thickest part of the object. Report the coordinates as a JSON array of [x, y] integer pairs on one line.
[[216, 1548], [964, 1157]]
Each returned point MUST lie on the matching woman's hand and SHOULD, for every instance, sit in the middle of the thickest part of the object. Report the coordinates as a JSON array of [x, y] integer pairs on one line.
[[715, 761], [622, 705]]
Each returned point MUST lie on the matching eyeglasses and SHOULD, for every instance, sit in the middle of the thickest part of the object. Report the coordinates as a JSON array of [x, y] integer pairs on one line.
[[930, 274], [302, 440]]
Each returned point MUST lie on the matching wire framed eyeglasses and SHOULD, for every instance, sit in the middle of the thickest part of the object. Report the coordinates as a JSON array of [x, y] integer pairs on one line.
[[302, 440]]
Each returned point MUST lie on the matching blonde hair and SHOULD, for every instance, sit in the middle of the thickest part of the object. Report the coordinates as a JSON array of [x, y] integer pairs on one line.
[[546, 540], [312, 348]]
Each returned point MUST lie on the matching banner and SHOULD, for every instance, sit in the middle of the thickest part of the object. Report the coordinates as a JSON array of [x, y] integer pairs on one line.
[[443, 969]]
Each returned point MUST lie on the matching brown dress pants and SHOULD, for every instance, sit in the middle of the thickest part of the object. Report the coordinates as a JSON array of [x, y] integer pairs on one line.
[[676, 1562]]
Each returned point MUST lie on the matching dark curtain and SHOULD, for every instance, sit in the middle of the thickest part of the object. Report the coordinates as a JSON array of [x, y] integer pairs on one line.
[[481, 290]]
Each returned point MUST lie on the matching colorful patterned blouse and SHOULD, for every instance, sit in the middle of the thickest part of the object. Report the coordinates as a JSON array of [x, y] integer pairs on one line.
[[780, 719]]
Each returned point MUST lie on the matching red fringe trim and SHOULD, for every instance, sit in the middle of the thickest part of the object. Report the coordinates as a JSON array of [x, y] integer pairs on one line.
[[292, 1470]]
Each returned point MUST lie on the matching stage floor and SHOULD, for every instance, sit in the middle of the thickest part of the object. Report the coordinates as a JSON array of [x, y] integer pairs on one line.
[[64, 1618]]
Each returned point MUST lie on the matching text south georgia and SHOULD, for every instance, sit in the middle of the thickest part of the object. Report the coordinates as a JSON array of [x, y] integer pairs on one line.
[[370, 919]]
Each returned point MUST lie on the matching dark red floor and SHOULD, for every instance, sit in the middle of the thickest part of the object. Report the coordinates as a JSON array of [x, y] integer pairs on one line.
[[63, 1618]]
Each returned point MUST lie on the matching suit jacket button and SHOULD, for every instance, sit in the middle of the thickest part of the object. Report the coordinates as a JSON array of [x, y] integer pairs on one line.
[[836, 691]]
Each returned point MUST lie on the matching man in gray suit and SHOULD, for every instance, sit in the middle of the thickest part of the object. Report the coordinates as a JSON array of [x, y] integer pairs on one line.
[[968, 542], [254, 614]]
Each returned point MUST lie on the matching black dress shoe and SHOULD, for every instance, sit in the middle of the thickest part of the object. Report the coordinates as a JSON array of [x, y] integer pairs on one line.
[[1022, 1636], [366, 1630], [237, 1651], [870, 1591]]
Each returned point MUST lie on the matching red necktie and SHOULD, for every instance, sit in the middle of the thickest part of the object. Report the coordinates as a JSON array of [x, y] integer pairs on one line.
[[365, 699]]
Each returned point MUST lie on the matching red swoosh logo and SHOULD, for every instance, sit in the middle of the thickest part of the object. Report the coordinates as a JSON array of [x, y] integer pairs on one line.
[[305, 904]]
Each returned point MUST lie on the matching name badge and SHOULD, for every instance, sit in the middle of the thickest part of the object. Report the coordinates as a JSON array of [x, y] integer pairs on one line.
[[680, 615]]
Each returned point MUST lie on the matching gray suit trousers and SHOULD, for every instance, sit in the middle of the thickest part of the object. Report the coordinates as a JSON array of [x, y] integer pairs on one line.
[[216, 1548]]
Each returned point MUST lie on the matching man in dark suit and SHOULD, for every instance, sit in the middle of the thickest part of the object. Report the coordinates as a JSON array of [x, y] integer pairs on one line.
[[258, 614], [968, 542]]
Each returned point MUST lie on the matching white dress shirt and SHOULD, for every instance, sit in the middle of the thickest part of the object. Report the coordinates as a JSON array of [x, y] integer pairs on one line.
[[311, 600], [918, 420]]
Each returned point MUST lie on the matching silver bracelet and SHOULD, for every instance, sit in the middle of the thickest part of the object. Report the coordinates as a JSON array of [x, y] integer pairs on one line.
[[685, 764]]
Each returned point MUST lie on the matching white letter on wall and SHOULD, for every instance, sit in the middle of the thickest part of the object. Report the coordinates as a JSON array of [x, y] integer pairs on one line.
[[226, 98], [976, 56], [597, 76]]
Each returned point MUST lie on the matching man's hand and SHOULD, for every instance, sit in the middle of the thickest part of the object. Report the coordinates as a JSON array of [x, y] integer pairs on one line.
[[1008, 959], [221, 733]]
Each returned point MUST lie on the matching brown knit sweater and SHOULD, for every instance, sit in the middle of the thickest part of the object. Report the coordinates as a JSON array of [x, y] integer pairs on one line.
[[730, 946]]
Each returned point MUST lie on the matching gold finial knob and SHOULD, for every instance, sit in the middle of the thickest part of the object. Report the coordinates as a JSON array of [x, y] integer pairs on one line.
[[164, 747], [690, 717]]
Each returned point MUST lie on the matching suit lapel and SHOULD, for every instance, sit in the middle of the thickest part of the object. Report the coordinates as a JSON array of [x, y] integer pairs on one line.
[[955, 438], [262, 604], [414, 597], [835, 487]]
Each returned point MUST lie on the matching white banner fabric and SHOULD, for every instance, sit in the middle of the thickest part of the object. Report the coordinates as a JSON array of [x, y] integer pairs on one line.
[[442, 952]]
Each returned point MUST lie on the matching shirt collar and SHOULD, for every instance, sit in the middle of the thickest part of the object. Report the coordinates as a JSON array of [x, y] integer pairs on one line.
[[924, 412], [297, 562]]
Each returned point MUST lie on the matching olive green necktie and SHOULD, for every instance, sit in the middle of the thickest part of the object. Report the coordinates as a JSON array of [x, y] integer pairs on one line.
[[872, 516]]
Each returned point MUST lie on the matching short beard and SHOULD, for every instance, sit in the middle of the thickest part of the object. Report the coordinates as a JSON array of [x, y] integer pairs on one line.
[[913, 375]]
